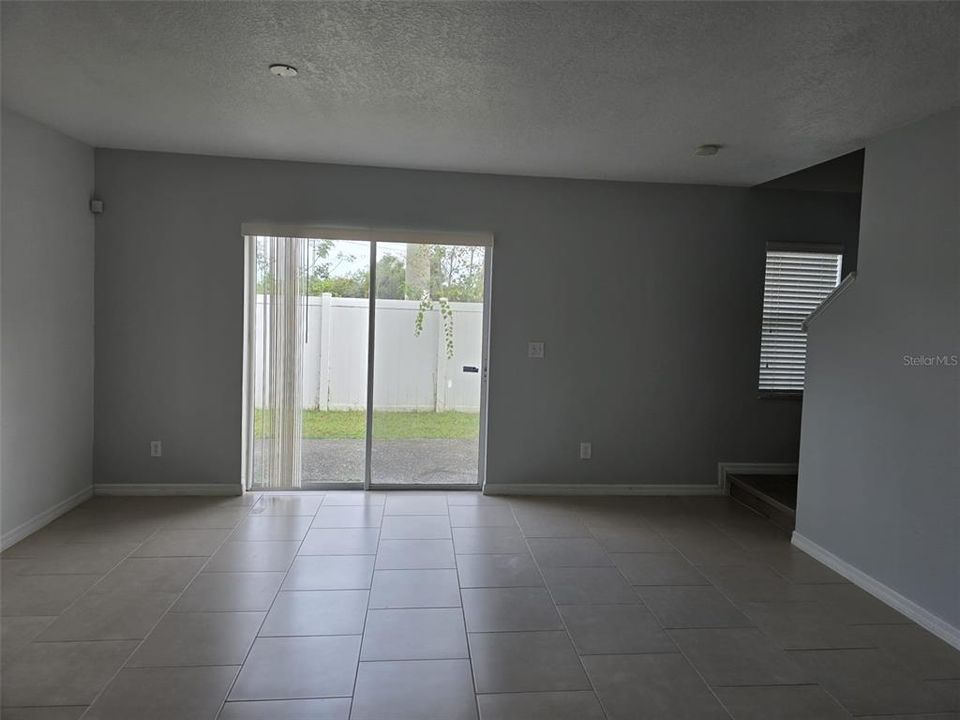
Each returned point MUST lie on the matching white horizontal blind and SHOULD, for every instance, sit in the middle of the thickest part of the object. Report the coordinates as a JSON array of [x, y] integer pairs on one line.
[[794, 285]]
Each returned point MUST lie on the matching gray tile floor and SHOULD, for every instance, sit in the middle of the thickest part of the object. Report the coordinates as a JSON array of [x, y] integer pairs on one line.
[[447, 606]]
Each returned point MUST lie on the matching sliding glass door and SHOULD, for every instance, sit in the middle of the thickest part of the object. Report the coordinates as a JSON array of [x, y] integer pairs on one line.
[[428, 356], [345, 390]]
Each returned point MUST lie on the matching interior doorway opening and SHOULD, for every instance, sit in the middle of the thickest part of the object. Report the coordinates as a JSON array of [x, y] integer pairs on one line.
[[365, 359]]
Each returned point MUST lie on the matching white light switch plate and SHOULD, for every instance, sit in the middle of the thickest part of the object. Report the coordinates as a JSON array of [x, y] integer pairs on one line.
[[586, 450], [535, 350]]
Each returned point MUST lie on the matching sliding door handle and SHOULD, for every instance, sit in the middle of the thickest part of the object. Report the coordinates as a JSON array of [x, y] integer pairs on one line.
[[471, 369]]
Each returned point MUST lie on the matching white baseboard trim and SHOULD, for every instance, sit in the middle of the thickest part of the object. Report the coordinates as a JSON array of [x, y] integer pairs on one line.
[[728, 468], [596, 489], [167, 489], [11, 537], [924, 618]]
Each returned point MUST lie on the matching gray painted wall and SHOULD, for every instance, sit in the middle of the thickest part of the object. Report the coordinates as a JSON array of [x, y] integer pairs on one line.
[[46, 360], [668, 278], [880, 450]]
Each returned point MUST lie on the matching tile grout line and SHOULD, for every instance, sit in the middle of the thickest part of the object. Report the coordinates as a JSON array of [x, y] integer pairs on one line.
[[366, 612], [739, 608], [89, 589], [640, 599], [286, 572], [556, 607], [591, 524], [463, 614], [653, 615], [165, 612], [102, 577]]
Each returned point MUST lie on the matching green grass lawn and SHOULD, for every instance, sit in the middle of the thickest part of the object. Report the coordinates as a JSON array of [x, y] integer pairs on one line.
[[351, 424]]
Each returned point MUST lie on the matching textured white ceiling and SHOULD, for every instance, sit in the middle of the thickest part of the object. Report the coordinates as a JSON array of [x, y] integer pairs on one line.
[[600, 90]]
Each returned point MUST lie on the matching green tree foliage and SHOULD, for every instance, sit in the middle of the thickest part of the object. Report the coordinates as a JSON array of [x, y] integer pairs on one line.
[[391, 280], [320, 274], [456, 273]]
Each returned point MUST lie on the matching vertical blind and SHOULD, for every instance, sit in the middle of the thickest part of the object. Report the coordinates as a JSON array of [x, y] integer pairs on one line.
[[279, 361], [794, 285]]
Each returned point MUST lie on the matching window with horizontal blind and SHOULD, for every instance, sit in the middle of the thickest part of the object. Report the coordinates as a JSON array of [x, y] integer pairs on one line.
[[794, 285]]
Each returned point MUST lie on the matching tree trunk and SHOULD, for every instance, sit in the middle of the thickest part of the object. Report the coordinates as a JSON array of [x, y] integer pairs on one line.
[[417, 271]]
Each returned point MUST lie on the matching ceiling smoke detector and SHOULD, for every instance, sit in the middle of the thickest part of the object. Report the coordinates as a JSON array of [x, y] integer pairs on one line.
[[705, 150], [284, 71]]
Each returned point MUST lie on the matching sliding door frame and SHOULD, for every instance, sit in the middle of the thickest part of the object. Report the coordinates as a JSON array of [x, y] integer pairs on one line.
[[485, 364], [249, 351], [368, 483], [371, 345], [251, 230]]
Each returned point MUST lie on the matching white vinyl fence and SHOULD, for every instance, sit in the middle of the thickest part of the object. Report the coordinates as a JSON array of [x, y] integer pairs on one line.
[[410, 372]]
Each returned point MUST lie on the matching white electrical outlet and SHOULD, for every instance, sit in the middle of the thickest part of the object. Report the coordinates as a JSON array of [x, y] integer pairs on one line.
[[156, 448], [585, 451], [535, 350]]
